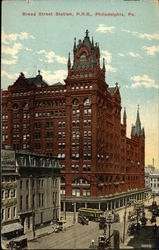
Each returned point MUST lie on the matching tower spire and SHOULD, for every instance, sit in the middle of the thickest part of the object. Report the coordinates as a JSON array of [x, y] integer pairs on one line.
[[87, 33], [103, 64], [92, 42], [69, 61], [124, 116], [138, 123], [74, 47]]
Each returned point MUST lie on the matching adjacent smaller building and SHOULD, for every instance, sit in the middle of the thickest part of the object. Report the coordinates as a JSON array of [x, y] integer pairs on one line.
[[37, 189], [152, 179], [8, 187]]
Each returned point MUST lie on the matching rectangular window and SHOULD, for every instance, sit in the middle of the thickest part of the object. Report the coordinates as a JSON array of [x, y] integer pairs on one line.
[[14, 212], [27, 201], [3, 195], [21, 202], [14, 193], [3, 214], [9, 213]]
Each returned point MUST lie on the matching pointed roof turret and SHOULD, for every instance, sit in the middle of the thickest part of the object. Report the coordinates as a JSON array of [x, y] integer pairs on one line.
[[124, 116], [103, 64], [87, 41], [74, 47], [92, 42], [138, 123], [69, 61]]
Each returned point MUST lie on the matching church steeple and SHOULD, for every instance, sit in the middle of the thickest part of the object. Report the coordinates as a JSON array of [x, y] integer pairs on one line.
[[138, 123], [136, 129]]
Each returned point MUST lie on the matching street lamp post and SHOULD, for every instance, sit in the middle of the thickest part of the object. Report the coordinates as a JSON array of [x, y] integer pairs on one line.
[[124, 223], [109, 220], [33, 210], [74, 212]]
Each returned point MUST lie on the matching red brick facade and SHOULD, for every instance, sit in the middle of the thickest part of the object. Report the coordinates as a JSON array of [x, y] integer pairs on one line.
[[81, 123]]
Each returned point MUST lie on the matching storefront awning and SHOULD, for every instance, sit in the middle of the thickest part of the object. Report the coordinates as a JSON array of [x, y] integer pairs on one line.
[[11, 228]]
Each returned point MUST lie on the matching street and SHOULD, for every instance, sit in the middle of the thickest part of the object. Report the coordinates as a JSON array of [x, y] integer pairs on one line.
[[80, 236]]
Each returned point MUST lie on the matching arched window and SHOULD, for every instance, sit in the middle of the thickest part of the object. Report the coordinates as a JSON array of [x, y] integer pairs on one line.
[[80, 181], [75, 101], [15, 106], [87, 101], [83, 58], [25, 105], [117, 178], [100, 179]]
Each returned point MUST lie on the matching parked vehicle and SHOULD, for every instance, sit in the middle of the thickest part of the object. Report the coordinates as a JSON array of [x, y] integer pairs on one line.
[[103, 242], [13, 236], [83, 220]]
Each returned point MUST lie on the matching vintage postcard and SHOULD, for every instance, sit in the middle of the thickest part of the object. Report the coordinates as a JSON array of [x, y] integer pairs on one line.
[[80, 123]]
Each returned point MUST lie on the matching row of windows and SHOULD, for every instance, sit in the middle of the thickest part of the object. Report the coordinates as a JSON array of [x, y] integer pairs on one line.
[[5, 117], [50, 103], [155, 185], [76, 112], [4, 126], [50, 113], [8, 194], [85, 86], [76, 192], [87, 101], [25, 183], [8, 179], [50, 91], [4, 137], [8, 213]]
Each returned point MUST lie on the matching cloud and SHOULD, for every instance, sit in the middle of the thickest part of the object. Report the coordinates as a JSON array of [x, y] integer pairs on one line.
[[12, 37], [147, 36], [104, 29], [51, 56], [41, 52], [134, 54], [121, 54], [12, 51], [108, 58], [151, 50], [28, 49], [8, 62], [57, 76], [9, 75], [109, 68], [143, 81], [107, 55]]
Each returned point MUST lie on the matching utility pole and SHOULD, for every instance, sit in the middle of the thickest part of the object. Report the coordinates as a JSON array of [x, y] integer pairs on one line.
[[124, 223], [74, 213], [33, 211]]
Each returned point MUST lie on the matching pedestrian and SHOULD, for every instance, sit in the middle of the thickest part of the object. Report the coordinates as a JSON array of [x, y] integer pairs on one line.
[[93, 246], [155, 228]]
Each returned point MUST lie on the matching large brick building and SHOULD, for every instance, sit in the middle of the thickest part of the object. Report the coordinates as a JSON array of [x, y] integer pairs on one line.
[[80, 122]]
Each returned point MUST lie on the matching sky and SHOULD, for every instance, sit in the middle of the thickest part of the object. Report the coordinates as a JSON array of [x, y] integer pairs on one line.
[[39, 34]]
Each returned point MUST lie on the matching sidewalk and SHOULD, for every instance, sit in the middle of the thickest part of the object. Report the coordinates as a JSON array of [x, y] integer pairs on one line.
[[47, 230]]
